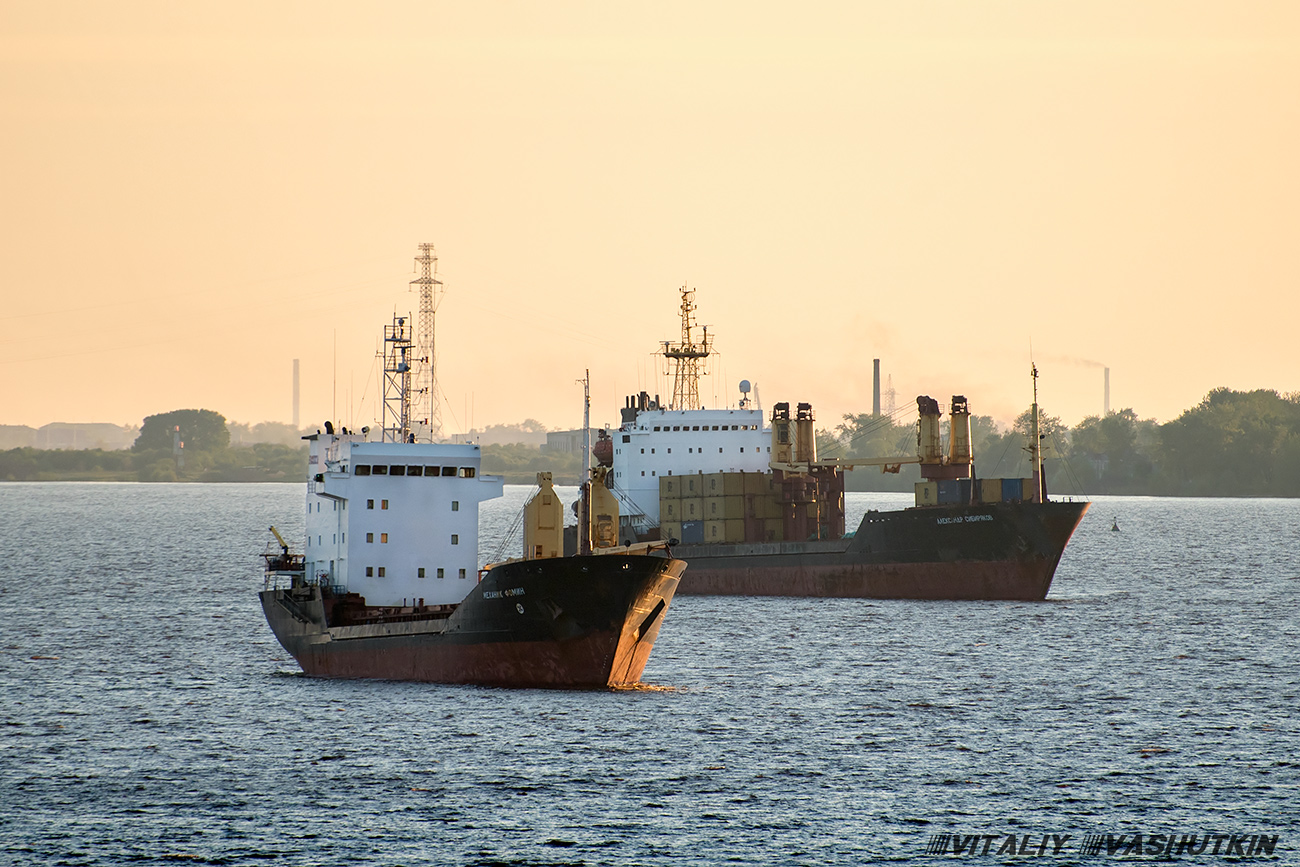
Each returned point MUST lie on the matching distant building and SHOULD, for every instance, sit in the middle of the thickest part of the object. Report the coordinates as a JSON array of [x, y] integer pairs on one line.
[[503, 435], [17, 436], [75, 437], [566, 442]]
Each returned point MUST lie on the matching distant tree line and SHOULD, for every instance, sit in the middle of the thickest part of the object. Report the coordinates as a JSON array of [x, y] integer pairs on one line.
[[183, 445], [1233, 443], [520, 463]]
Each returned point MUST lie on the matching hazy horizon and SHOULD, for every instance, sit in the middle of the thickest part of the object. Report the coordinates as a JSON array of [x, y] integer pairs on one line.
[[196, 196]]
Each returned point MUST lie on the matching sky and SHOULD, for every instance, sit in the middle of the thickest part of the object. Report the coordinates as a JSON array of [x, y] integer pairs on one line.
[[195, 195]]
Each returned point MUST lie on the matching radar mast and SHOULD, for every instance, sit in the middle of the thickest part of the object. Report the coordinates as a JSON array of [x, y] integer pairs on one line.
[[397, 381], [686, 357], [425, 360]]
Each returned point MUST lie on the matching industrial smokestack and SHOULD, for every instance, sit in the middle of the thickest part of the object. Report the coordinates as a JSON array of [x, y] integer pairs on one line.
[[1107, 403], [295, 394], [875, 387]]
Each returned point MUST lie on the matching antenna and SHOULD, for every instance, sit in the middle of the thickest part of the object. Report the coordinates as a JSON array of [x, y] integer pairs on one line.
[[425, 359], [584, 480], [686, 357], [1035, 443]]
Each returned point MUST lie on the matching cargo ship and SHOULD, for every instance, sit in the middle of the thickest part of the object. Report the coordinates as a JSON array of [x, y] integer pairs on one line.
[[388, 585], [755, 512]]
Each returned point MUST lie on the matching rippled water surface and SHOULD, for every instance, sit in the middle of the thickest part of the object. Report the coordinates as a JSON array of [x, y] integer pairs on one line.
[[149, 715]]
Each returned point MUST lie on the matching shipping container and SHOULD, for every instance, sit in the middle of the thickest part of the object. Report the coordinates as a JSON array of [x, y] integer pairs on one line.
[[1026, 489], [949, 492], [713, 485], [715, 532], [670, 486], [735, 530], [990, 490], [670, 510], [692, 486], [1011, 490], [927, 493], [963, 490], [724, 508], [692, 532], [692, 508], [754, 529], [758, 483], [762, 506], [733, 484], [670, 530]]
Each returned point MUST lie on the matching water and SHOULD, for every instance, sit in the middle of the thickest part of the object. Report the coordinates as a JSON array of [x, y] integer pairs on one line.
[[149, 715]]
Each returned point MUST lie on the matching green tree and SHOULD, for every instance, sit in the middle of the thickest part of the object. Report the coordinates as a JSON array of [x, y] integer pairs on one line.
[[1116, 453], [1233, 443], [864, 435], [202, 430]]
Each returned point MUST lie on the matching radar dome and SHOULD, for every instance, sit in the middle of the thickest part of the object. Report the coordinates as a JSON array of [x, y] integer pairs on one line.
[[744, 386]]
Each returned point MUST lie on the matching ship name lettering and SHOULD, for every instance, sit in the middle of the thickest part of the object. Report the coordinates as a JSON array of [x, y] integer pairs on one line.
[[957, 519], [503, 594]]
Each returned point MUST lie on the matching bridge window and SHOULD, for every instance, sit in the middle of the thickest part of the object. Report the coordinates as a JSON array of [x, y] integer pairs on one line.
[[361, 470]]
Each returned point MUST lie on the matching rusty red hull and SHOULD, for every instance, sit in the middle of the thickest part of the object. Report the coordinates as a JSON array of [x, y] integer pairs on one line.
[[999, 551], [566, 623]]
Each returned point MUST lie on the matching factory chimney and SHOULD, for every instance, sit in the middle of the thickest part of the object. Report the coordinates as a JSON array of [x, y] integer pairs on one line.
[[875, 387], [1107, 402]]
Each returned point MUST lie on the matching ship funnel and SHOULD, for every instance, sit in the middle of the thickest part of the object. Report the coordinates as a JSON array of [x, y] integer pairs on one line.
[[959, 442], [805, 438], [782, 436], [929, 442]]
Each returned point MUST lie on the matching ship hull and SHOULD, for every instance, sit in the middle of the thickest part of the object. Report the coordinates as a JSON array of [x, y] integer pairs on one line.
[[563, 623], [998, 551]]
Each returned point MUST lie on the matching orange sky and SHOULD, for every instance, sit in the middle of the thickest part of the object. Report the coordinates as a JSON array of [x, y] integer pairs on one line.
[[194, 195]]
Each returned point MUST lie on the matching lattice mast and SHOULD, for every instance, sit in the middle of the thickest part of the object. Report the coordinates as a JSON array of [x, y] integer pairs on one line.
[[425, 359], [686, 357], [397, 354]]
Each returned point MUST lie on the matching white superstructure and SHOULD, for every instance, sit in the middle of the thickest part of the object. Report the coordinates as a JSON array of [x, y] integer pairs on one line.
[[396, 522], [653, 442]]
